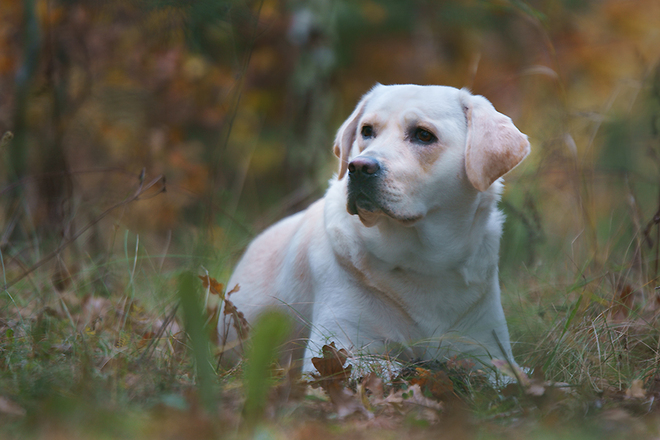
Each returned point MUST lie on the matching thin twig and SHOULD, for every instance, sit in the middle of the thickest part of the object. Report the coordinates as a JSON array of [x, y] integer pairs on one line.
[[50, 175], [146, 354], [513, 368], [140, 190], [167, 246]]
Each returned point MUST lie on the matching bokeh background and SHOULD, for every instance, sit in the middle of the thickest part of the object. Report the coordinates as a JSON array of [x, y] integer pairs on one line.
[[228, 108], [142, 138]]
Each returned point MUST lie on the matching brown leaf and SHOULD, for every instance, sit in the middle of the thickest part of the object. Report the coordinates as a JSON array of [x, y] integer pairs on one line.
[[331, 366], [49, 311], [345, 401], [535, 388], [235, 289], [374, 385], [239, 322], [62, 276], [10, 407], [455, 363], [416, 397], [215, 288], [412, 396], [636, 390], [95, 311], [146, 339], [532, 387], [622, 304], [333, 377], [435, 382]]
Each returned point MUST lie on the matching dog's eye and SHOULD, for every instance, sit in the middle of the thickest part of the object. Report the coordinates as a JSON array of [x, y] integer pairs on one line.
[[424, 136], [367, 131]]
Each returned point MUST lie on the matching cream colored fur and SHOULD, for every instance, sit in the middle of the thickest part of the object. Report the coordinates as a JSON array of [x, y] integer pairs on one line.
[[416, 276]]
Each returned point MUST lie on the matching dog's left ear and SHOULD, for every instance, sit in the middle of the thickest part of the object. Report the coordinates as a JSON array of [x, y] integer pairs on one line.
[[494, 145], [347, 133]]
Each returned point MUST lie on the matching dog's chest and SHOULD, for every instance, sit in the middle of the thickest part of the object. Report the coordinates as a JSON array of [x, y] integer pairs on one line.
[[415, 303]]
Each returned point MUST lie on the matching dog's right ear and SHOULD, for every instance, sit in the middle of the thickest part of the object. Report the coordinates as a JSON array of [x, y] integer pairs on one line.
[[347, 133]]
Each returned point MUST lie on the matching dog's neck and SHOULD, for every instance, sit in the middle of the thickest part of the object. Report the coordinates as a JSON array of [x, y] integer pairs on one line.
[[445, 238], [463, 238]]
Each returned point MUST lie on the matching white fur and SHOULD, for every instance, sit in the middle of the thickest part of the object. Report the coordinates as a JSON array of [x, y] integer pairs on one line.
[[420, 281]]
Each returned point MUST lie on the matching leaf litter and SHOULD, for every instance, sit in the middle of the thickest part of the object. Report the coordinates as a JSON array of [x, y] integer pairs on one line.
[[446, 396]]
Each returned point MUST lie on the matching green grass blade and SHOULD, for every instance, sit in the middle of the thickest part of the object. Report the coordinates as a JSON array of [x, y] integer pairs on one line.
[[194, 320], [268, 335]]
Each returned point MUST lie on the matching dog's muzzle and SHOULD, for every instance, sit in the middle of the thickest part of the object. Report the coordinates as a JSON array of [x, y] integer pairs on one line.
[[364, 173]]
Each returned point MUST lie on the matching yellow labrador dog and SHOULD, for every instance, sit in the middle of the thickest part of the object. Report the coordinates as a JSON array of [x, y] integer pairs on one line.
[[400, 256]]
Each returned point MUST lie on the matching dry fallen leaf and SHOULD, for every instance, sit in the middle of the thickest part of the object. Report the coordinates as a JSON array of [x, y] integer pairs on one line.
[[412, 398], [333, 377], [62, 275], [416, 397], [374, 385], [532, 387], [331, 365], [212, 284], [622, 303], [345, 401], [239, 322], [10, 407], [237, 318], [235, 289], [216, 288], [636, 390], [436, 382], [94, 313], [546, 395], [456, 363]]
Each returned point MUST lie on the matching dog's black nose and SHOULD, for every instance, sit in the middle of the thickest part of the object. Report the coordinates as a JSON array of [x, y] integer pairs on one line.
[[363, 166]]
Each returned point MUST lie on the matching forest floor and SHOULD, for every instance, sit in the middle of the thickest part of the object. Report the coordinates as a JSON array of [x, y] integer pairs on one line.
[[87, 360]]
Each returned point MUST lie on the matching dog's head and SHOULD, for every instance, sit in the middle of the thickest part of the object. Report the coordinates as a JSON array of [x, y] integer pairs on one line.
[[407, 149]]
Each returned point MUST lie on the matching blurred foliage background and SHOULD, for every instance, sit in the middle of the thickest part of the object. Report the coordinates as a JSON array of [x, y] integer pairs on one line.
[[236, 102], [141, 135], [229, 108]]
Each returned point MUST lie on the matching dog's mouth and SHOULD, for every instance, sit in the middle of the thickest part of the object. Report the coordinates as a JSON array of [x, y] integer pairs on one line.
[[369, 211], [365, 208], [361, 202]]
